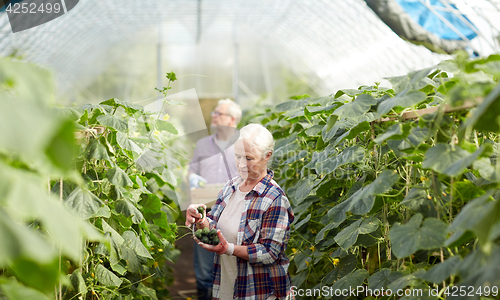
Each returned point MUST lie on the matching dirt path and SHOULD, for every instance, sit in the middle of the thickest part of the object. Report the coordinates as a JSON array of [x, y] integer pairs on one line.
[[184, 270]]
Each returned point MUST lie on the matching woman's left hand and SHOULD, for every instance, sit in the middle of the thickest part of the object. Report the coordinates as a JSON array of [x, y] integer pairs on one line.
[[220, 248]]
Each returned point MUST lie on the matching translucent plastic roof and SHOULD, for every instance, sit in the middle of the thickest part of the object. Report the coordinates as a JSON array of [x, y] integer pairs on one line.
[[336, 44]]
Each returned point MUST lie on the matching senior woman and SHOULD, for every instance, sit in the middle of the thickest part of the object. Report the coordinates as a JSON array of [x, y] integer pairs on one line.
[[253, 217]]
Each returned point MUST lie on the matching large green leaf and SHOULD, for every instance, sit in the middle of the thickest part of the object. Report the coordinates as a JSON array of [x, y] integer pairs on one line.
[[448, 160], [287, 149], [479, 216], [167, 126], [66, 230], [26, 200], [349, 155], [395, 129], [310, 111], [402, 100], [14, 290], [27, 129], [485, 116], [23, 196], [356, 108], [61, 149], [481, 271], [118, 177], [19, 241], [348, 237], [148, 160], [134, 243], [78, 283], [146, 291], [301, 261], [383, 278], [289, 105], [150, 205], [106, 277], [411, 279], [83, 203], [116, 238], [418, 135], [32, 85], [72, 113], [345, 266], [415, 198], [442, 271], [296, 157], [324, 231], [301, 223], [408, 238], [305, 186], [113, 122], [131, 258], [126, 143], [412, 81], [292, 115], [33, 273], [329, 130], [349, 282], [351, 129], [314, 130], [128, 209], [130, 108], [486, 169], [96, 150], [361, 202]]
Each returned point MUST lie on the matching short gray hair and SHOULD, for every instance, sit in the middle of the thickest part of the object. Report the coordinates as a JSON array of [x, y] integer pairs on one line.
[[259, 137], [233, 109]]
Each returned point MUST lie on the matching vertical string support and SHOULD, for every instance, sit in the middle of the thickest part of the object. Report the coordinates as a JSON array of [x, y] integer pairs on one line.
[[60, 250]]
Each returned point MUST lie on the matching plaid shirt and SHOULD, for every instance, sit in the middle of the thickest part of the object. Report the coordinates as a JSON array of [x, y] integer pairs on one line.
[[265, 229]]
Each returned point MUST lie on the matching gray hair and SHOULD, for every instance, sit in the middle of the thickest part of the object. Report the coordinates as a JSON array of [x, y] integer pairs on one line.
[[259, 137], [233, 109]]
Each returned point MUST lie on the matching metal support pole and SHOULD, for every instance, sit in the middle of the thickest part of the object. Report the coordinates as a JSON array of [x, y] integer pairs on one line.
[[267, 74], [198, 33], [236, 76], [158, 57]]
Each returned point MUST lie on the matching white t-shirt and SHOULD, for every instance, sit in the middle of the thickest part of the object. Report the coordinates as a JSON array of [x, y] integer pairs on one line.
[[228, 224]]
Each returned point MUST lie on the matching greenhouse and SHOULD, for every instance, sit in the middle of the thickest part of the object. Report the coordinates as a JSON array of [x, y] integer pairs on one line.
[[214, 149]]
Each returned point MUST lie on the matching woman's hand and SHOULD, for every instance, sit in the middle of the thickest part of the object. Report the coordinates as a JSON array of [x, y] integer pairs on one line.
[[193, 216], [220, 248]]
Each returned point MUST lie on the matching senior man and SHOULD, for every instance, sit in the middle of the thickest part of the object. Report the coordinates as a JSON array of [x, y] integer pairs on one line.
[[213, 162]]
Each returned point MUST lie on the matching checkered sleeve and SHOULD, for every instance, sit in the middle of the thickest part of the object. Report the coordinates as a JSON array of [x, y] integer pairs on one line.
[[274, 233]]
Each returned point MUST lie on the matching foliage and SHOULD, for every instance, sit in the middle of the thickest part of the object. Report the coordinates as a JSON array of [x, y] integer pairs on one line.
[[108, 226], [36, 145], [390, 201], [129, 195]]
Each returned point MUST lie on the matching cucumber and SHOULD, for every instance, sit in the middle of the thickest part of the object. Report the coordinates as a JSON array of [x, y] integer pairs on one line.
[[207, 236]]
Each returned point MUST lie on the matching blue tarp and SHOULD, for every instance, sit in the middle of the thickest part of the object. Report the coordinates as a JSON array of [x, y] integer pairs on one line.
[[432, 23]]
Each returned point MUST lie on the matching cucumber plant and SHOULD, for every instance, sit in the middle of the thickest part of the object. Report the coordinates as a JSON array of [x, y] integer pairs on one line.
[[91, 218], [395, 188]]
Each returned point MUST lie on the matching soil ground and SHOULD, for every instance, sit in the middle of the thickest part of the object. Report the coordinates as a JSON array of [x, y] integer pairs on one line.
[[184, 286]]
